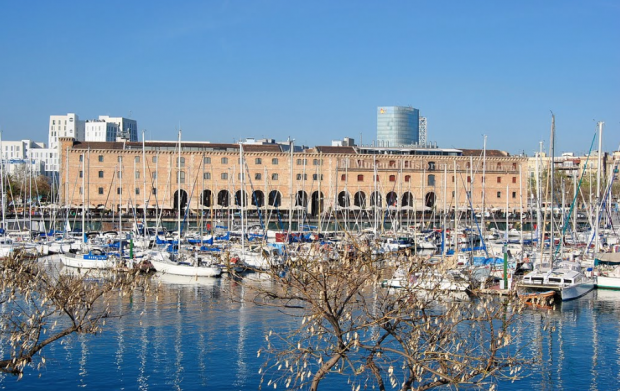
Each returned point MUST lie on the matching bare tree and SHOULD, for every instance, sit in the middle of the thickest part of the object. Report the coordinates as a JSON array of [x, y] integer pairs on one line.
[[419, 337], [41, 306]]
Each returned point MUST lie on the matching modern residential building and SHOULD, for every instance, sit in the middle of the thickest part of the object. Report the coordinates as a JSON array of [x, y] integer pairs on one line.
[[397, 126], [68, 125], [27, 155], [127, 128], [101, 130]]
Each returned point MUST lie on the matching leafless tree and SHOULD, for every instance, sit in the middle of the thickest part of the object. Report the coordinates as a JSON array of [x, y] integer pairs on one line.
[[415, 338], [41, 306]]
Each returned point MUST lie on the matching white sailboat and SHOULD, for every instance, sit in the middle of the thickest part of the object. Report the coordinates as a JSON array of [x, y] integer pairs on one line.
[[182, 264]]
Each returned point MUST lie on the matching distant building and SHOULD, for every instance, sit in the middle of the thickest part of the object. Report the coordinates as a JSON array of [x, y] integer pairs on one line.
[[127, 128], [68, 125], [31, 155], [423, 139], [100, 130], [397, 126], [346, 142]]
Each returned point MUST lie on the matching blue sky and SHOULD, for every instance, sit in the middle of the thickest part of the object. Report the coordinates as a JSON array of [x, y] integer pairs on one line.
[[316, 71]]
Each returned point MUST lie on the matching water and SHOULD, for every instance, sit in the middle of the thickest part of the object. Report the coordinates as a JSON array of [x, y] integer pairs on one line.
[[195, 337]]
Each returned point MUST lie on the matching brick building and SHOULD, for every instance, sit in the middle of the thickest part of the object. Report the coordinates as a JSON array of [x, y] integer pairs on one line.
[[208, 176]]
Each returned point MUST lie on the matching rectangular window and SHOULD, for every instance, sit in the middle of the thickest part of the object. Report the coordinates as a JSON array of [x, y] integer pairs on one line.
[[257, 176], [274, 161], [100, 174], [343, 177], [137, 159], [301, 162], [206, 160], [118, 190], [154, 191], [224, 160], [407, 178], [258, 161], [499, 179], [154, 175], [206, 175], [120, 159], [137, 174], [154, 159], [240, 176], [81, 156], [514, 179], [81, 174], [180, 162], [181, 177], [499, 194], [100, 157], [299, 177], [315, 177], [360, 178], [316, 162], [100, 190], [514, 194], [468, 179], [393, 178], [224, 174], [274, 177], [137, 191]]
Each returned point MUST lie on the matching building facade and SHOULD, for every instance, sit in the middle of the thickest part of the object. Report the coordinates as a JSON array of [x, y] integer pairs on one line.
[[397, 126], [100, 130], [319, 180]]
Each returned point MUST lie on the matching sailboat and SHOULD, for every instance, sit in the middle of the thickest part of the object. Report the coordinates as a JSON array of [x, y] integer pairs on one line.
[[182, 264], [89, 257], [565, 278]]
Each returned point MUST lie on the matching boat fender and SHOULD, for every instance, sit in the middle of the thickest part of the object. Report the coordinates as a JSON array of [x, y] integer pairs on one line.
[[234, 260]]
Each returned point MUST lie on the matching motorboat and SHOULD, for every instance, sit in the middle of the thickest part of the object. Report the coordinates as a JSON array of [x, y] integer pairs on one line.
[[566, 279]]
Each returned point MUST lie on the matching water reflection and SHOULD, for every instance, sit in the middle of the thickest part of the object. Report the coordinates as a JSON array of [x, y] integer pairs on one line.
[[205, 333]]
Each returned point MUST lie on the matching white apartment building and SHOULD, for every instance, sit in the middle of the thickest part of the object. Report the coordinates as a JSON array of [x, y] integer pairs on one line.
[[100, 130], [68, 125], [18, 154], [127, 128]]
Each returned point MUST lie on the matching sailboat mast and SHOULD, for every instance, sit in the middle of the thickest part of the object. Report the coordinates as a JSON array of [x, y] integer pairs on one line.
[[2, 182], [83, 200], [179, 188], [598, 186], [144, 186], [241, 196], [552, 175]]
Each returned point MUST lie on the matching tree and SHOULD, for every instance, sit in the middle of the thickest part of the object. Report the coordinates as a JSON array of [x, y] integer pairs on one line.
[[412, 338], [42, 306]]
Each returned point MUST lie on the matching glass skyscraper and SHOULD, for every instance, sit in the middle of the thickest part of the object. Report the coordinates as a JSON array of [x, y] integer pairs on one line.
[[397, 126]]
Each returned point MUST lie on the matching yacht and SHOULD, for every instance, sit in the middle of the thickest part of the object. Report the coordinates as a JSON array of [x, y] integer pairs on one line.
[[566, 279]]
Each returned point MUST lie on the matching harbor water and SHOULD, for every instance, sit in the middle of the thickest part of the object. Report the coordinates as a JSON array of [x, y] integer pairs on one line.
[[193, 335]]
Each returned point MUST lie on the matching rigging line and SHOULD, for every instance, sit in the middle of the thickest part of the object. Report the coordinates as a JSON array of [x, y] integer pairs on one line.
[[260, 217], [189, 200], [567, 220]]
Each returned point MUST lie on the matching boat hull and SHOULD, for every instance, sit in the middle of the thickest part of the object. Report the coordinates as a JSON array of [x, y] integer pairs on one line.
[[186, 270], [81, 262], [604, 282]]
